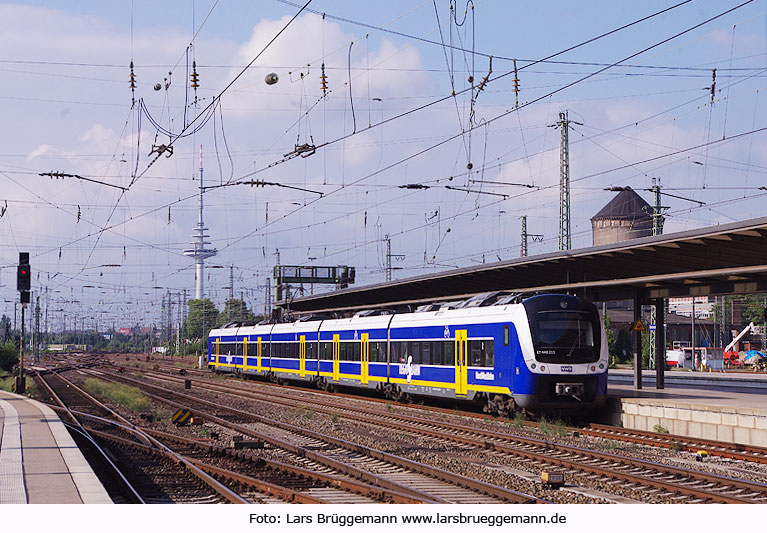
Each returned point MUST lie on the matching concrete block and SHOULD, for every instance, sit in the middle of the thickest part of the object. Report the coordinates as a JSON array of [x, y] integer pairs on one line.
[[741, 435], [631, 408], [709, 431], [628, 421], [657, 411], [713, 418], [680, 427], [640, 422], [729, 419], [724, 433], [685, 414], [760, 422], [698, 416], [672, 413], [746, 421], [645, 410], [759, 437], [695, 429]]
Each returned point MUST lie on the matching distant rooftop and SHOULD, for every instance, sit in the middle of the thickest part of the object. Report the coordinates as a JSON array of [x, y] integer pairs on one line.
[[627, 204]]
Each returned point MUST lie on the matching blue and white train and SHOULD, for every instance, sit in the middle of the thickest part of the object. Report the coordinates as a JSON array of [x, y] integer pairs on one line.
[[545, 353]]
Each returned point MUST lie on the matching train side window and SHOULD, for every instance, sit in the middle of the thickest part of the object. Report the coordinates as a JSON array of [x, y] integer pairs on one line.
[[397, 352], [380, 352], [505, 335], [489, 353], [265, 348], [414, 350], [426, 355], [356, 351], [345, 351], [449, 358], [475, 353]]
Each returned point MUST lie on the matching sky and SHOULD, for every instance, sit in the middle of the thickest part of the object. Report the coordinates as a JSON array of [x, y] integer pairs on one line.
[[399, 109]]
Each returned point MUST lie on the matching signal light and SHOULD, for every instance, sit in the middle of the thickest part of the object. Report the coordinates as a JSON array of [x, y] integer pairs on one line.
[[23, 273]]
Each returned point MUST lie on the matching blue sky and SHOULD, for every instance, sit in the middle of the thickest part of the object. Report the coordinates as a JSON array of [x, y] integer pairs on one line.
[[67, 108]]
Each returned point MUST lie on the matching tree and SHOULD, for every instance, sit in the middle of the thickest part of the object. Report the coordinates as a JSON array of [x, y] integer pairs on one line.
[[235, 311], [9, 355], [201, 319], [5, 327]]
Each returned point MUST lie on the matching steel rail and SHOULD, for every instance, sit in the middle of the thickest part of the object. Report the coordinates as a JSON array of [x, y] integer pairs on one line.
[[78, 427], [444, 431], [743, 452], [348, 485], [219, 488], [456, 479]]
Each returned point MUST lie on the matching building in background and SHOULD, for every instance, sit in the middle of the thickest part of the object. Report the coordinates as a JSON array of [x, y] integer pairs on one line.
[[625, 217]]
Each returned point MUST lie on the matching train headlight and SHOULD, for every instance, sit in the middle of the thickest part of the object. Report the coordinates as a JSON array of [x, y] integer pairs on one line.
[[601, 366], [543, 368], [532, 366], [593, 368]]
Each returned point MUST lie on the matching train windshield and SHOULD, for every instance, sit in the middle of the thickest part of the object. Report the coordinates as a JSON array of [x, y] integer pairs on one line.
[[564, 329], [565, 336]]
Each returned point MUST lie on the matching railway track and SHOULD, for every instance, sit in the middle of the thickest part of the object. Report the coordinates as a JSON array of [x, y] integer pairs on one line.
[[372, 466], [152, 474], [735, 451], [731, 450], [675, 483], [256, 480]]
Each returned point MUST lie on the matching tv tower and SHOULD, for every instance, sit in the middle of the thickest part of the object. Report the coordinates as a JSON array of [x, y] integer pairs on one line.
[[199, 252]]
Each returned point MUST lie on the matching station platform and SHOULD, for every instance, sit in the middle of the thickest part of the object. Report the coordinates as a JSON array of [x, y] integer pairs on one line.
[[39, 461], [728, 407]]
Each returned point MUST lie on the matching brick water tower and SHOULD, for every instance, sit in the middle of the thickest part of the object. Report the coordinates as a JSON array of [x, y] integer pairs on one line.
[[625, 217]]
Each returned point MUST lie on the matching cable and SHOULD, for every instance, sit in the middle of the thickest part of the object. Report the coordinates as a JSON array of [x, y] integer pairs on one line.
[[234, 80]]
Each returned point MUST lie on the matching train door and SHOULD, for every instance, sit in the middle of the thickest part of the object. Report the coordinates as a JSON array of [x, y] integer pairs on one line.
[[364, 357], [244, 354], [461, 362], [336, 356], [218, 362], [302, 356], [259, 347]]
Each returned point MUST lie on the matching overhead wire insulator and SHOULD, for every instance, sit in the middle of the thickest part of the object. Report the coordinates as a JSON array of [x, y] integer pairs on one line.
[[516, 85], [324, 81], [132, 83], [195, 79]]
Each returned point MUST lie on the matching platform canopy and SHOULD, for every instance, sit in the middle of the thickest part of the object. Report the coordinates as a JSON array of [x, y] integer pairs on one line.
[[725, 259]]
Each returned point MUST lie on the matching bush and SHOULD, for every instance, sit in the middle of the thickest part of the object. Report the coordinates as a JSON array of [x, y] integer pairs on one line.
[[9, 356]]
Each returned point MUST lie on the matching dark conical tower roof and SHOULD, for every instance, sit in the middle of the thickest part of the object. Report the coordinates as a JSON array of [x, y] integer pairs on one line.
[[627, 205]]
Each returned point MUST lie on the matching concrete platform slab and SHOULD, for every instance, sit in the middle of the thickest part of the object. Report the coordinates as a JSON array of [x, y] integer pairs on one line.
[[710, 406], [39, 461]]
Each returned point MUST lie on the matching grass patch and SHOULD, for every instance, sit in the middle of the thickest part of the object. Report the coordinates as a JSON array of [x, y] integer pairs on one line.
[[552, 427], [130, 397], [659, 429], [6, 384], [518, 422]]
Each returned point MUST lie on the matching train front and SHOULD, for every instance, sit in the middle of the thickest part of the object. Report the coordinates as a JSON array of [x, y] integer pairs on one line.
[[563, 361]]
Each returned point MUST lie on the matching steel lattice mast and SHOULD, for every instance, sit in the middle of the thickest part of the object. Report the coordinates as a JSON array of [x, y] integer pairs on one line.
[[564, 183], [200, 253]]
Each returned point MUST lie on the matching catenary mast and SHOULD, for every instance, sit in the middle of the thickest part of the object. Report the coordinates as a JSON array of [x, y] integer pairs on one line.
[[200, 253]]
